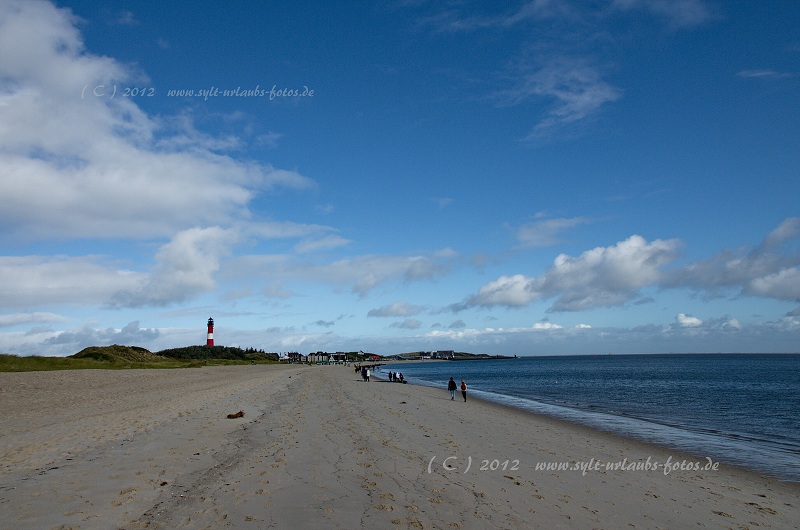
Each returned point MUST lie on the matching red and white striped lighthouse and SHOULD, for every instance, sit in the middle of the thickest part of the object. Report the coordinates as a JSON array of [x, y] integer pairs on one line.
[[210, 339]]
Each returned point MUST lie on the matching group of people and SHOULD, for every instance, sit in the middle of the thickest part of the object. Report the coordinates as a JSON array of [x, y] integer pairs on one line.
[[452, 387], [365, 374], [394, 377]]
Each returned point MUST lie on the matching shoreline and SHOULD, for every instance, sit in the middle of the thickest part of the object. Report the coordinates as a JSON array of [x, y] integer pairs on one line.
[[319, 448], [680, 453], [737, 450]]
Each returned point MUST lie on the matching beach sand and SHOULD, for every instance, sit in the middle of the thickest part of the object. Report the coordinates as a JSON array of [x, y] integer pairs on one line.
[[319, 448]]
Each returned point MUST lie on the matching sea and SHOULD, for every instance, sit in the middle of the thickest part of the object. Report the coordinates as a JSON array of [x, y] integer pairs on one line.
[[739, 409]]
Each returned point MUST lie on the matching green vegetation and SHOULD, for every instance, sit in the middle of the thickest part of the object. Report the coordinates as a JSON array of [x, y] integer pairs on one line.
[[219, 352], [118, 357]]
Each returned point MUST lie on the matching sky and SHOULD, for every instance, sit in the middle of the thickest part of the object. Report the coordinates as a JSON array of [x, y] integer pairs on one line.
[[544, 177]]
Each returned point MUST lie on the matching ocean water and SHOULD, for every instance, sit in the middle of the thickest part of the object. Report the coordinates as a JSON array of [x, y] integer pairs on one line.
[[740, 409]]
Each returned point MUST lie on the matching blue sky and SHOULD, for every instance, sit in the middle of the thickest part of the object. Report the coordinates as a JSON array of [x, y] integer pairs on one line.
[[532, 177]]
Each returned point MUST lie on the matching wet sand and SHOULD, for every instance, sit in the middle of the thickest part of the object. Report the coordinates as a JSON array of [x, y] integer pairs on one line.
[[319, 448]]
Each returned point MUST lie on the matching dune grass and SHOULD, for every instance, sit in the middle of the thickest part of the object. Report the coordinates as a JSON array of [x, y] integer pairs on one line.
[[33, 363]]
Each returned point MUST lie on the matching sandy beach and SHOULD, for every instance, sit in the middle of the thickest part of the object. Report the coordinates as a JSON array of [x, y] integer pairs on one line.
[[319, 448]]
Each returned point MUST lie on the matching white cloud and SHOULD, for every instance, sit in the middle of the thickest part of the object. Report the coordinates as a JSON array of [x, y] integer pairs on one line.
[[785, 232], [512, 291], [546, 232], [613, 276], [17, 319], [368, 271], [409, 323], [564, 71], [81, 163], [62, 343], [360, 273], [397, 309], [769, 269], [129, 334], [285, 230], [546, 326], [576, 86], [33, 281], [185, 268], [782, 285], [601, 277], [325, 243], [687, 321]]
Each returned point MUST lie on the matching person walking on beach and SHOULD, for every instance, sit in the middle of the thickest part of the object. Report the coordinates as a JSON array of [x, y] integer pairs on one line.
[[451, 386], [464, 390], [368, 377]]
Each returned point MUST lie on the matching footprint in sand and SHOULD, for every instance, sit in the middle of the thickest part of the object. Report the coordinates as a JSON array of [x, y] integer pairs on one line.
[[413, 523], [762, 508]]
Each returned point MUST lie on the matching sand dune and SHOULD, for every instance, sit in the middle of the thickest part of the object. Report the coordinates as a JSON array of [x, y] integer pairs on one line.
[[319, 448]]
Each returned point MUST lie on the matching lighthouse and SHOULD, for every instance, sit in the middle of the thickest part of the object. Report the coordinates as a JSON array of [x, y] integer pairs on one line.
[[210, 338]]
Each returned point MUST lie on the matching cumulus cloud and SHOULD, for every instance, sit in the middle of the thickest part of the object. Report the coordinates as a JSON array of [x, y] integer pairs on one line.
[[546, 326], [80, 163], [782, 285], [512, 291], [601, 277], [770, 269], [612, 276], [185, 267], [687, 321], [75, 341]]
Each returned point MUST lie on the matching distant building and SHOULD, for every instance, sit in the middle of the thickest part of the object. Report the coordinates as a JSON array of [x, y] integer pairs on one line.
[[295, 357], [319, 357]]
